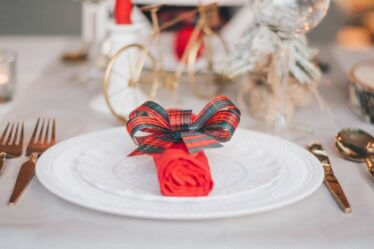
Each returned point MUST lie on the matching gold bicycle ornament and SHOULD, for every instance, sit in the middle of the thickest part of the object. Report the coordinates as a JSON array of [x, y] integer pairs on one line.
[[144, 68]]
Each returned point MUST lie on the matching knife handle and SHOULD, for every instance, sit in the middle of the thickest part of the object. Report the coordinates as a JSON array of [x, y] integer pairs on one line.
[[337, 192], [25, 175], [330, 180], [370, 164], [2, 162]]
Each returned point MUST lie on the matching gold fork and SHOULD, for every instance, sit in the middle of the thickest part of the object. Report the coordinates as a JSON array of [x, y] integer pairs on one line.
[[37, 145], [10, 148]]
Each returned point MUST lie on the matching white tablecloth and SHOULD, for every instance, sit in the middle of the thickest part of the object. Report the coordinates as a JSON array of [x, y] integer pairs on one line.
[[193, 2], [42, 221]]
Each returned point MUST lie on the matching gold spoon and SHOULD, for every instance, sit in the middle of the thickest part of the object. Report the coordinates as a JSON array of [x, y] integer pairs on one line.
[[356, 145]]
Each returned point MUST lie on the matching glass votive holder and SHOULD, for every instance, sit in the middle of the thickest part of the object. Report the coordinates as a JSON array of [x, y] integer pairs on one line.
[[7, 75], [361, 90]]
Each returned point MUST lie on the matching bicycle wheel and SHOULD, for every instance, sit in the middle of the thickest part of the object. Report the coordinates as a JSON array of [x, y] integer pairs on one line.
[[203, 73], [124, 74]]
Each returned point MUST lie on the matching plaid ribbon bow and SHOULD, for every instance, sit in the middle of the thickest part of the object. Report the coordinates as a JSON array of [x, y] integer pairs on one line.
[[215, 123]]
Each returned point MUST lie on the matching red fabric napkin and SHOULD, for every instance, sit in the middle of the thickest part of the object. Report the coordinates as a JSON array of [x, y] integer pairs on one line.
[[183, 174], [176, 139], [122, 11]]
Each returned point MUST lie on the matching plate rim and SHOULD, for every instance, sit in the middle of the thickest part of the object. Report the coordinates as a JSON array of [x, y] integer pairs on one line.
[[54, 189]]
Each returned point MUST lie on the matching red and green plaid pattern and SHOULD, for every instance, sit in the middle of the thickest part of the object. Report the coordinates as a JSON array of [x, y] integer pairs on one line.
[[154, 129]]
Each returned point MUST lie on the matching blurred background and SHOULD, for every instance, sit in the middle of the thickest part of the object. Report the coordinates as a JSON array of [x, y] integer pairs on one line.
[[350, 22]]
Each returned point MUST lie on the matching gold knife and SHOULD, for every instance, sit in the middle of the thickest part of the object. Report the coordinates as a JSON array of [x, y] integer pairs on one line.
[[330, 180], [25, 175]]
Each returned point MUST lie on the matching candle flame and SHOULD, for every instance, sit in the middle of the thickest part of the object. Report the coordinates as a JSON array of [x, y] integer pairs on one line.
[[4, 78]]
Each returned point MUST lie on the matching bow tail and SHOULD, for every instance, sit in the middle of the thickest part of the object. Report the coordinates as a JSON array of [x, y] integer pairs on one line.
[[197, 141]]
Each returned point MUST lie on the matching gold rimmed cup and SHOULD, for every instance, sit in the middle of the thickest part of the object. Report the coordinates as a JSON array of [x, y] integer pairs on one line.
[[361, 90]]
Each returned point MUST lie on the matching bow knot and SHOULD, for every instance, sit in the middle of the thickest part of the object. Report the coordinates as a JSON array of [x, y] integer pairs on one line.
[[215, 123], [180, 120]]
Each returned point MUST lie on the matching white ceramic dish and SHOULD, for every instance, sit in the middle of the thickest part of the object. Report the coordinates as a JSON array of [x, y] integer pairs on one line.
[[253, 173]]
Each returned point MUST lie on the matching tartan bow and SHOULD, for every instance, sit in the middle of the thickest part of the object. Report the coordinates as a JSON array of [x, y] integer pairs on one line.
[[215, 123]]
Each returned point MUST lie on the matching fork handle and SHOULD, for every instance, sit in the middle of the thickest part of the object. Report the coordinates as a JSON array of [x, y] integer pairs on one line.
[[2, 162]]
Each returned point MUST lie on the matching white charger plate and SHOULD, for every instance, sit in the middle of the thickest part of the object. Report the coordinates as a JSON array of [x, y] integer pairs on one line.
[[252, 173]]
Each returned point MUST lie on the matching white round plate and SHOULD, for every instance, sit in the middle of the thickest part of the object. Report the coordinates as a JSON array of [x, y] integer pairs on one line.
[[252, 173]]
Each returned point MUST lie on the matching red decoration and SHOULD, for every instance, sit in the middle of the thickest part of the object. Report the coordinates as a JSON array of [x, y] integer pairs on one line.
[[122, 11], [159, 128], [176, 140], [181, 40], [183, 174]]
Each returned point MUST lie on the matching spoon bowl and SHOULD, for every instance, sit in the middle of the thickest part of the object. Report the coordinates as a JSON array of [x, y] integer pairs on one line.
[[356, 145], [347, 153]]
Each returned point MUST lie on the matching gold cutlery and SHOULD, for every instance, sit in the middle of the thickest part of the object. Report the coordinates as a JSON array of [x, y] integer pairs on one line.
[[37, 145], [11, 146], [358, 146], [75, 56], [330, 180]]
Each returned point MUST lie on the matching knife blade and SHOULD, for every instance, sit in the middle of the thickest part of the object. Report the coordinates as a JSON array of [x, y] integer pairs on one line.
[[330, 180], [25, 175]]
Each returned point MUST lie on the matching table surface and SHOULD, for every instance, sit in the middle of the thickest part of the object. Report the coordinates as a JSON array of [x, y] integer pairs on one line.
[[41, 220]]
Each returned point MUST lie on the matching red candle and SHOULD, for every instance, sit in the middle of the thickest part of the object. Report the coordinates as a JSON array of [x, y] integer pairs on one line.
[[122, 11]]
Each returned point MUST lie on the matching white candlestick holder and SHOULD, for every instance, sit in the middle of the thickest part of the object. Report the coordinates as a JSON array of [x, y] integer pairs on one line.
[[123, 98]]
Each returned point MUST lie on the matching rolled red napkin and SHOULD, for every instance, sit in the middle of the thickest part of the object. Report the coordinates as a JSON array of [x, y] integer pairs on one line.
[[122, 11], [176, 140], [183, 174]]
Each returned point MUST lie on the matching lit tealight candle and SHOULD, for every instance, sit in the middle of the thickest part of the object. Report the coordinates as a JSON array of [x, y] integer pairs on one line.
[[4, 78], [7, 77]]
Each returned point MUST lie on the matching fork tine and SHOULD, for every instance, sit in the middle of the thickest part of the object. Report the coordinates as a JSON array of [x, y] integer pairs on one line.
[[10, 134], [32, 139], [53, 141], [16, 134], [46, 135], [41, 131], [4, 133], [21, 137]]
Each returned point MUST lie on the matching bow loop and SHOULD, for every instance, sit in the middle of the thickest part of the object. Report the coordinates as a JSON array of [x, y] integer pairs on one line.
[[215, 123]]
